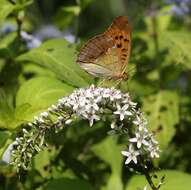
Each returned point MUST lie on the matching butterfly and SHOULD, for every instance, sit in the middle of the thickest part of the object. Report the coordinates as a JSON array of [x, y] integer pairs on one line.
[[107, 55]]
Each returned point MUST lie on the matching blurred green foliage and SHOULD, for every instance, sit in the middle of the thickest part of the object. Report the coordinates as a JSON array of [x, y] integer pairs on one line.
[[33, 79]]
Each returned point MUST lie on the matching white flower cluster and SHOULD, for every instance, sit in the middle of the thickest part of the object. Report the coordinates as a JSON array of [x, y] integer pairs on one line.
[[93, 104], [90, 103], [144, 140]]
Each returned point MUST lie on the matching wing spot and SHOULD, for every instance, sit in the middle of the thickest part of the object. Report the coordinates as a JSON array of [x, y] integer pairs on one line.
[[116, 37], [126, 40], [119, 45], [120, 37], [124, 50]]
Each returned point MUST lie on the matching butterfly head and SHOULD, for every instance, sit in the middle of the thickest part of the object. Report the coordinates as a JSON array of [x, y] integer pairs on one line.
[[123, 76], [121, 22]]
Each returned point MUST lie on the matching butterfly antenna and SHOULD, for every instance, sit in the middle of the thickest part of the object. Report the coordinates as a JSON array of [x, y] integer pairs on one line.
[[101, 82], [131, 71]]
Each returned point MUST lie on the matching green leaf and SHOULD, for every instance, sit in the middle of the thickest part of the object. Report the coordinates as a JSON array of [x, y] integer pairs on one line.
[[5, 9], [174, 180], [5, 141], [36, 95], [179, 47], [162, 114], [114, 183], [162, 20], [6, 111], [109, 151], [66, 15], [68, 184], [37, 70], [85, 3], [3, 138], [58, 55], [42, 161], [9, 45]]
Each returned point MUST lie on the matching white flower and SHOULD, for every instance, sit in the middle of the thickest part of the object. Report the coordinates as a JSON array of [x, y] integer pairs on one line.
[[60, 118], [145, 187], [52, 108], [115, 94], [113, 125], [127, 99], [67, 122], [30, 124], [154, 151], [112, 94], [153, 140], [25, 131], [122, 111], [38, 119], [92, 118], [141, 123], [92, 105], [140, 139], [131, 155], [44, 114]]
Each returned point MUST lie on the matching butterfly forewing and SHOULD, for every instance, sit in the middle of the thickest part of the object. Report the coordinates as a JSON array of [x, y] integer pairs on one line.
[[107, 55], [120, 33]]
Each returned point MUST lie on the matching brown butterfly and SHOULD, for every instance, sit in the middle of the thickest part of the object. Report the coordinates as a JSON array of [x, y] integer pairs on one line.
[[107, 54]]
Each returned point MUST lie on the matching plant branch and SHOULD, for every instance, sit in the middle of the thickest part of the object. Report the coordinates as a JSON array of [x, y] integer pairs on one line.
[[147, 175]]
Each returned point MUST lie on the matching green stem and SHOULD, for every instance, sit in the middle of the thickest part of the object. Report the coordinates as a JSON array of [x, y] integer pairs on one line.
[[19, 27], [155, 35], [76, 28], [147, 175]]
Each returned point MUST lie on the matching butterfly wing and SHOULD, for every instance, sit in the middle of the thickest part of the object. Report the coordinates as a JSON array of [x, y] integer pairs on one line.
[[106, 55], [120, 33], [94, 56]]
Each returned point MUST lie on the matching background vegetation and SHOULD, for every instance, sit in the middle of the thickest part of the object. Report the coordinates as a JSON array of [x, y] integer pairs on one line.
[[33, 77]]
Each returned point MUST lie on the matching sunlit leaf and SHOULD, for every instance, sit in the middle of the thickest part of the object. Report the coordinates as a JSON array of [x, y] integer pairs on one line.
[[42, 162], [59, 56], [174, 180], [162, 113], [3, 137], [9, 45], [66, 15], [37, 95], [162, 19], [7, 7], [178, 46], [109, 151], [6, 111]]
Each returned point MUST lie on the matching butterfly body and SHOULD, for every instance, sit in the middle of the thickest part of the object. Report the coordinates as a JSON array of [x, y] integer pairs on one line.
[[107, 54]]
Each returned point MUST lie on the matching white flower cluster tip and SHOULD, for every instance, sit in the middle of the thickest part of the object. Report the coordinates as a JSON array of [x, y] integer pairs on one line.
[[94, 104]]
